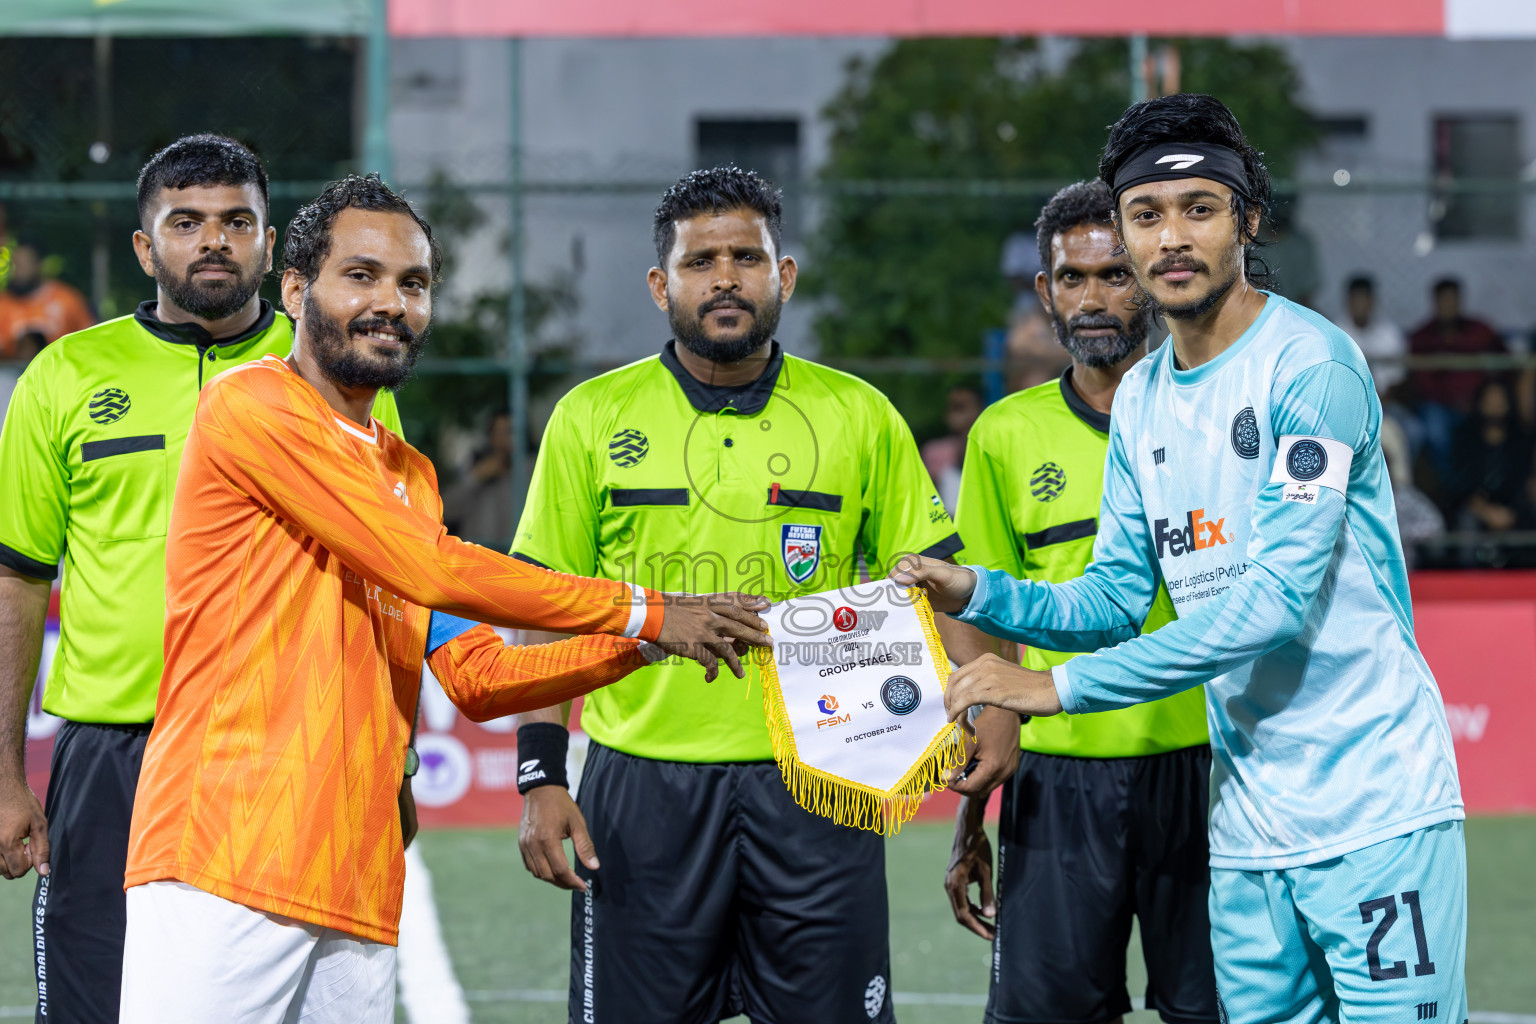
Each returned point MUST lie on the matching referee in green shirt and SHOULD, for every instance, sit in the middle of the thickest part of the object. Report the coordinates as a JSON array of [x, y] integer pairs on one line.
[[1104, 816], [721, 464], [88, 460]]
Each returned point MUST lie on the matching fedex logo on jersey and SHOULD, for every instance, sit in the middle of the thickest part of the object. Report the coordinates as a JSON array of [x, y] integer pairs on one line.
[[1197, 534]]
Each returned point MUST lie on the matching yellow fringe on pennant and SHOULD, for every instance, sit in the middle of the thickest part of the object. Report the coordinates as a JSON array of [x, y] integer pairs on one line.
[[853, 803]]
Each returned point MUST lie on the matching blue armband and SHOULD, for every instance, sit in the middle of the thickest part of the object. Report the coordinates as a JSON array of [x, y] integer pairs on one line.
[[444, 628]]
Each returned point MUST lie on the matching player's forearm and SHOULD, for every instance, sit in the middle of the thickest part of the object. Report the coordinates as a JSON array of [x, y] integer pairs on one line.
[[965, 643], [23, 607], [486, 679], [1074, 616]]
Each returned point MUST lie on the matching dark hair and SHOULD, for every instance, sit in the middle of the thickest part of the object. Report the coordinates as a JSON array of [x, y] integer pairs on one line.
[[308, 240], [717, 190], [1447, 284], [1361, 283], [202, 160], [1085, 202], [1196, 117]]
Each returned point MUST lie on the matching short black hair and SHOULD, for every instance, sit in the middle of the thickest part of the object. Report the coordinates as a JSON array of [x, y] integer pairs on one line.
[[308, 239], [1361, 283], [1447, 284], [1196, 117], [205, 159], [1083, 202], [717, 190]]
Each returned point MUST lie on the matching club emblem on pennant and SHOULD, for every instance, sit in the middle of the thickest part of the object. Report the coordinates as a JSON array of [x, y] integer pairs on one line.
[[801, 549]]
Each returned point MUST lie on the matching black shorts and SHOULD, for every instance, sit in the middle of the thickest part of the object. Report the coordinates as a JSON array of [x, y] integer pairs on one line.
[[718, 895], [78, 913], [1084, 844]]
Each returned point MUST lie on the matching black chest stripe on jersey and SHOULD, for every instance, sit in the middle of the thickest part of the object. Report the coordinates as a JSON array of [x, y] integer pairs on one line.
[[818, 500], [627, 497], [121, 446], [1062, 533]]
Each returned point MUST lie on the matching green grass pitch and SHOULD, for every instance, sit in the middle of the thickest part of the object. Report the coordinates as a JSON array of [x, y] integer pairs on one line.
[[507, 934]]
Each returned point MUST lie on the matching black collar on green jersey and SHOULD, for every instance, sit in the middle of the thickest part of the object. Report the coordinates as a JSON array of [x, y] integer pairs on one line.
[[1088, 414], [196, 334], [746, 399]]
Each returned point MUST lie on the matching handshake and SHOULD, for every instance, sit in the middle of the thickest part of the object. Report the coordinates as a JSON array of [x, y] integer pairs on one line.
[[711, 628]]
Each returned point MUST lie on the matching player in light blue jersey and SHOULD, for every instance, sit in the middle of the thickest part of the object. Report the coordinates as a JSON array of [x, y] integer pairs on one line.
[[1245, 471]]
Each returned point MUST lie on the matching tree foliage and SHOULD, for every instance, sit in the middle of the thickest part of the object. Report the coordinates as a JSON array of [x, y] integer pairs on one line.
[[934, 148]]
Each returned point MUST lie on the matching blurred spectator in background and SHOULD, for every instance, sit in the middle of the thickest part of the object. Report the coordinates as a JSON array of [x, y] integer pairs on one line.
[[1445, 396], [479, 506], [1033, 355], [1418, 519], [1291, 257], [32, 303], [1377, 338], [944, 455], [1490, 458]]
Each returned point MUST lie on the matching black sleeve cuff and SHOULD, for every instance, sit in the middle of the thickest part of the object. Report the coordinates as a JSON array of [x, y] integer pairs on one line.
[[531, 560], [13, 559], [944, 548]]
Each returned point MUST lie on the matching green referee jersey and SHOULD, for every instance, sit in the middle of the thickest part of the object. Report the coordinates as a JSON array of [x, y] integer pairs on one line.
[[88, 459], [1029, 505], [777, 488]]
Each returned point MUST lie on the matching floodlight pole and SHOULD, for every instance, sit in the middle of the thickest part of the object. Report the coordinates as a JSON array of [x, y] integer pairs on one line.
[[517, 320], [1140, 87], [376, 155]]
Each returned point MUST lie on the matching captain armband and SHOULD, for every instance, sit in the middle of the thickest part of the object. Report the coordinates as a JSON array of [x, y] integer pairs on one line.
[[1305, 465]]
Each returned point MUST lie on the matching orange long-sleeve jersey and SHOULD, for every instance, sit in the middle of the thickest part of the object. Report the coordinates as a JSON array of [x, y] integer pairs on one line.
[[303, 558]]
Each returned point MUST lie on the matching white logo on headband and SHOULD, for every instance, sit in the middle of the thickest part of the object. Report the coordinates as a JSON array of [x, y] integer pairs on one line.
[[1181, 161]]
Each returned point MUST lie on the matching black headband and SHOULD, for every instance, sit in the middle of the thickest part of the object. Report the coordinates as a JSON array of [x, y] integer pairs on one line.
[[1167, 161]]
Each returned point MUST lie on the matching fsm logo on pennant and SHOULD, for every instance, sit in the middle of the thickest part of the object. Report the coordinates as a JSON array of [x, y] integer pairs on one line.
[[801, 549]]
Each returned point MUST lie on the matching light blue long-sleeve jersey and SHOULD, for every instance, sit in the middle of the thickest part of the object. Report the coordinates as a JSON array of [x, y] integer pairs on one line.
[[1256, 487]]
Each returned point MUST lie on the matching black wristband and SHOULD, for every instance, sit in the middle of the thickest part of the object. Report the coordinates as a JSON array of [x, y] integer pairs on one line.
[[541, 748]]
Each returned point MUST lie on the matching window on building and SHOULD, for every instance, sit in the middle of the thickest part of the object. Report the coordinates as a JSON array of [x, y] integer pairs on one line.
[[1477, 177], [769, 146]]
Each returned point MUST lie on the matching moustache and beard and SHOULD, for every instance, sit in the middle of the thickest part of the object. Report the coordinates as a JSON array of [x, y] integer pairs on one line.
[[210, 300], [1108, 349], [1231, 269], [689, 331], [349, 365]]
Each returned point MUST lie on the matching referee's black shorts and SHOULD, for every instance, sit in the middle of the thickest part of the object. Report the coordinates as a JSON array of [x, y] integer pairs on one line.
[[1085, 844], [79, 913], [718, 895]]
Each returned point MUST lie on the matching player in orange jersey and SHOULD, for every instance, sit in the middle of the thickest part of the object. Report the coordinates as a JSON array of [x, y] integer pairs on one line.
[[307, 574]]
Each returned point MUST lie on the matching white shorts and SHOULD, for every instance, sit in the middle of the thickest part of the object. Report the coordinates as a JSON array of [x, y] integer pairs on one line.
[[191, 957]]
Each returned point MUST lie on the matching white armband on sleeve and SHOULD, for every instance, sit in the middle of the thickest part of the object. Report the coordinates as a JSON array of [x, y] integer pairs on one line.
[[1305, 465]]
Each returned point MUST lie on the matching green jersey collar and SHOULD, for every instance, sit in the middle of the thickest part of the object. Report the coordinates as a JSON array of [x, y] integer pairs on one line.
[[1082, 410], [746, 399], [196, 334]]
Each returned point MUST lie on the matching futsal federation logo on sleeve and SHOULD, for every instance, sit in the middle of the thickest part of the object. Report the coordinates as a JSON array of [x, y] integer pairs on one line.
[[801, 547], [900, 695]]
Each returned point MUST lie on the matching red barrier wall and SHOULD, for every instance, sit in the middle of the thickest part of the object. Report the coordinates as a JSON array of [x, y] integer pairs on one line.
[[1477, 631]]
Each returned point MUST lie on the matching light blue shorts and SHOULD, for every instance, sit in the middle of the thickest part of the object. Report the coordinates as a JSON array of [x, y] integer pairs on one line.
[[1378, 936]]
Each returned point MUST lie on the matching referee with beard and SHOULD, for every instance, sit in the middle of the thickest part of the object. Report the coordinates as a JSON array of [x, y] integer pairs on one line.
[[1104, 816], [88, 461], [702, 890]]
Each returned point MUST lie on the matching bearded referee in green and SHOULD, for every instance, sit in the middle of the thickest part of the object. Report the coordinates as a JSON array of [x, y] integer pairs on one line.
[[702, 890], [1103, 816]]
